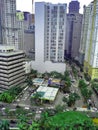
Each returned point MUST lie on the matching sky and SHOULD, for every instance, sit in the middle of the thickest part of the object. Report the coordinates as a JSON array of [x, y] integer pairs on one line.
[[26, 5]]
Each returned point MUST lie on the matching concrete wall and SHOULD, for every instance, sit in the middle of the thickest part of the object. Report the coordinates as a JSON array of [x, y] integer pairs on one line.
[[48, 66], [29, 42]]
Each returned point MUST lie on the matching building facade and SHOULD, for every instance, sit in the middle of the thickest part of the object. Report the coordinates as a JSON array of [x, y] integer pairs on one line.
[[73, 31], [91, 51], [84, 30], [11, 67], [50, 26], [8, 22], [29, 43], [20, 22]]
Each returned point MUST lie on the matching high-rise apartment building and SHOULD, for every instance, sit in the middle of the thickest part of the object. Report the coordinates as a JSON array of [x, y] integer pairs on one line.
[[50, 24], [20, 23], [84, 30], [11, 67], [8, 22], [91, 51], [73, 31]]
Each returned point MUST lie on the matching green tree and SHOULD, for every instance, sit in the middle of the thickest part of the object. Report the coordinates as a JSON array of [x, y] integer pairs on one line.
[[35, 126], [6, 97], [71, 120], [23, 122], [4, 125], [7, 111], [29, 81], [56, 74], [36, 98], [82, 84], [72, 99], [34, 73]]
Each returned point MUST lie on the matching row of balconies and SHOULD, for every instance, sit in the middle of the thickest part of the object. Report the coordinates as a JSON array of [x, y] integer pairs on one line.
[[13, 81], [11, 78], [11, 62], [11, 66], [12, 58], [11, 74], [12, 70], [9, 86]]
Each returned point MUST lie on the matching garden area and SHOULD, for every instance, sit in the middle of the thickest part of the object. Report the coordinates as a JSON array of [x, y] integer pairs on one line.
[[9, 95]]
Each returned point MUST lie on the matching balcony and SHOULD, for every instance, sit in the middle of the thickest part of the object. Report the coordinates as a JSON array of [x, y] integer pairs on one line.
[[11, 62], [12, 70], [11, 74], [11, 66], [12, 78], [12, 82]]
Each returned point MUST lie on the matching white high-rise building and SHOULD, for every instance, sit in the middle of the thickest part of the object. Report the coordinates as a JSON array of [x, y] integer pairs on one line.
[[50, 24], [8, 22], [84, 31]]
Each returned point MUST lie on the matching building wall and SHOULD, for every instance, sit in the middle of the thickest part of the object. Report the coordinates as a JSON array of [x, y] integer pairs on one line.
[[27, 20], [20, 22], [29, 42], [39, 31], [73, 35], [49, 66], [55, 19]]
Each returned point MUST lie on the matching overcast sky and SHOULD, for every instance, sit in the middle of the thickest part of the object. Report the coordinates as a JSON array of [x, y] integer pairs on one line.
[[26, 5]]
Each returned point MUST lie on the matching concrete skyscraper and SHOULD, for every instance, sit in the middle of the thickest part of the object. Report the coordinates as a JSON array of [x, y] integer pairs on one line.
[[50, 24], [8, 22], [73, 31]]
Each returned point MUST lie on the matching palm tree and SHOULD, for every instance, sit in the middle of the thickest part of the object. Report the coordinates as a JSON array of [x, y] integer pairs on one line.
[[4, 125]]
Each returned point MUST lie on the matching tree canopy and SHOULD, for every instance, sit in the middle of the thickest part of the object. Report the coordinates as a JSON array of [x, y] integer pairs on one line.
[[70, 120]]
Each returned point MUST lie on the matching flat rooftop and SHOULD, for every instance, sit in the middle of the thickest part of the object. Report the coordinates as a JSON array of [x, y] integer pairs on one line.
[[38, 81], [47, 93]]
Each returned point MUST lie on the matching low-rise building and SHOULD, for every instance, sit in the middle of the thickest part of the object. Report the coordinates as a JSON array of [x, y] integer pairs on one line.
[[11, 67]]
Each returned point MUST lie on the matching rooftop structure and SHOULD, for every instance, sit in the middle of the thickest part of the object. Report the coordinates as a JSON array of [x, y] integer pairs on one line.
[[38, 81], [54, 82], [47, 93]]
